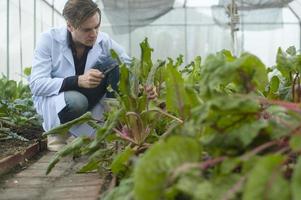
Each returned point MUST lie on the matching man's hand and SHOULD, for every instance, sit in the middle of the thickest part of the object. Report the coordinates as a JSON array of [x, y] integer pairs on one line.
[[151, 92], [90, 79]]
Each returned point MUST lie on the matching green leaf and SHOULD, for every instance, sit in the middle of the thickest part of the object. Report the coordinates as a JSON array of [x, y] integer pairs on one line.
[[122, 192], [196, 188], [13, 135], [284, 65], [69, 149], [291, 51], [296, 181], [295, 143], [90, 166], [135, 72], [151, 74], [235, 104], [228, 55], [265, 181], [94, 160], [246, 132], [176, 97], [179, 61], [152, 170], [247, 72], [229, 165], [193, 77], [27, 71], [115, 56], [252, 72], [64, 128], [274, 84], [214, 73], [120, 162], [146, 57], [280, 188], [192, 97], [124, 83]]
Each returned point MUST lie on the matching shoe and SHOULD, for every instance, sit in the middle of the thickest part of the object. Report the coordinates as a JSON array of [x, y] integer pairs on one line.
[[56, 142]]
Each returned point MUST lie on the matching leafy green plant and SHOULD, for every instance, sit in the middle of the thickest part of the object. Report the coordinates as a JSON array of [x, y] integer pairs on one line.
[[156, 165], [218, 130], [11, 90], [17, 112], [133, 120], [285, 82]]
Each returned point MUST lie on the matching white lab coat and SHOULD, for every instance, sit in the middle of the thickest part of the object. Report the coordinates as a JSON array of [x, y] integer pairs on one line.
[[52, 62]]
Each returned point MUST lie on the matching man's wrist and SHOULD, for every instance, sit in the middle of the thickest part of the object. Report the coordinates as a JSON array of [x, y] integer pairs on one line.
[[79, 81]]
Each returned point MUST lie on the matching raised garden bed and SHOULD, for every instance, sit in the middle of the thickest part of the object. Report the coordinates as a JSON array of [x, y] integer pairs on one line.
[[12, 146], [16, 152], [20, 125]]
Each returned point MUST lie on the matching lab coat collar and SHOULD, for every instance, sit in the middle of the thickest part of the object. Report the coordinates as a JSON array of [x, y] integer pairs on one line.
[[60, 35]]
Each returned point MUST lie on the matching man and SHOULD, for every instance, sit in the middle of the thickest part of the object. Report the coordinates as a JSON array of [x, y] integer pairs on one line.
[[64, 80]]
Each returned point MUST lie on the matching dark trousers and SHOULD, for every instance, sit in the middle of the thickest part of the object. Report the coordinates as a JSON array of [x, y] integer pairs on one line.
[[82, 100]]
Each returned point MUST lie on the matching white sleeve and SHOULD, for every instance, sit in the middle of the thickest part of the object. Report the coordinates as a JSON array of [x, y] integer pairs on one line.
[[40, 81]]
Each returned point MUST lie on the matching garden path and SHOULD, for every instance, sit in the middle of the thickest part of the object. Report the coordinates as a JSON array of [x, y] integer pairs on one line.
[[63, 183]]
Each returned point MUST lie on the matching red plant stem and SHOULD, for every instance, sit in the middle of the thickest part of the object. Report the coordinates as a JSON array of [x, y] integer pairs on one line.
[[120, 134], [298, 91], [279, 120], [168, 131], [284, 150], [203, 166], [234, 189], [167, 114], [288, 105], [293, 88], [259, 149], [210, 163], [296, 130]]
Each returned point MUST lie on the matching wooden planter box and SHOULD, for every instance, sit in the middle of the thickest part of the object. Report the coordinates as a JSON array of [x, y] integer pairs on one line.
[[8, 163]]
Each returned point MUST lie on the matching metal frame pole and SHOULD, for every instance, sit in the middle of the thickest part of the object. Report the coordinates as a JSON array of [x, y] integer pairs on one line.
[[55, 10], [34, 23], [186, 36], [299, 20], [21, 41], [52, 14], [8, 38]]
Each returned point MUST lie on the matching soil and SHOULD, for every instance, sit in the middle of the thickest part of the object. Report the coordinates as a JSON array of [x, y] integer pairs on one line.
[[13, 146]]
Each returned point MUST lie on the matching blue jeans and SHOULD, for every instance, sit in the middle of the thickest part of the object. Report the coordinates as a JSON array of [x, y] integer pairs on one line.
[[76, 105]]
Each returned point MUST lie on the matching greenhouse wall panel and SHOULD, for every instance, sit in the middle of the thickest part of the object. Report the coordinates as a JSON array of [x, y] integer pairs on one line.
[[265, 43], [3, 37], [14, 41], [189, 29]]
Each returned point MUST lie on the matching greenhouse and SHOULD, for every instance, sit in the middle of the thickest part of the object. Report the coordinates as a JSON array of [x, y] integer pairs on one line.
[[150, 100]]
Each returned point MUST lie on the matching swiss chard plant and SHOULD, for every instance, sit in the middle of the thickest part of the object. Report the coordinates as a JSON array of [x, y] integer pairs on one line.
[[219, 129], [285, 81], [132, 122], [250, 143]]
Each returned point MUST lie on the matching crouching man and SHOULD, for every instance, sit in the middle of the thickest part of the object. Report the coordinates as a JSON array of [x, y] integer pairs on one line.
[[64, 80]]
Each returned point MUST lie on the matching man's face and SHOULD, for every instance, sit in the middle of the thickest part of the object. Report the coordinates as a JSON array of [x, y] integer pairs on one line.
[[86, 33]]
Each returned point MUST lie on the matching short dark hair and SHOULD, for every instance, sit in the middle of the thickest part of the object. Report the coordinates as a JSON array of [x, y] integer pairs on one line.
[[77, 11]]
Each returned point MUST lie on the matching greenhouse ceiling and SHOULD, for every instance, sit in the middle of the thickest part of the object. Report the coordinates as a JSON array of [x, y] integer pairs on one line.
[[295, 5], [188, 27]]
